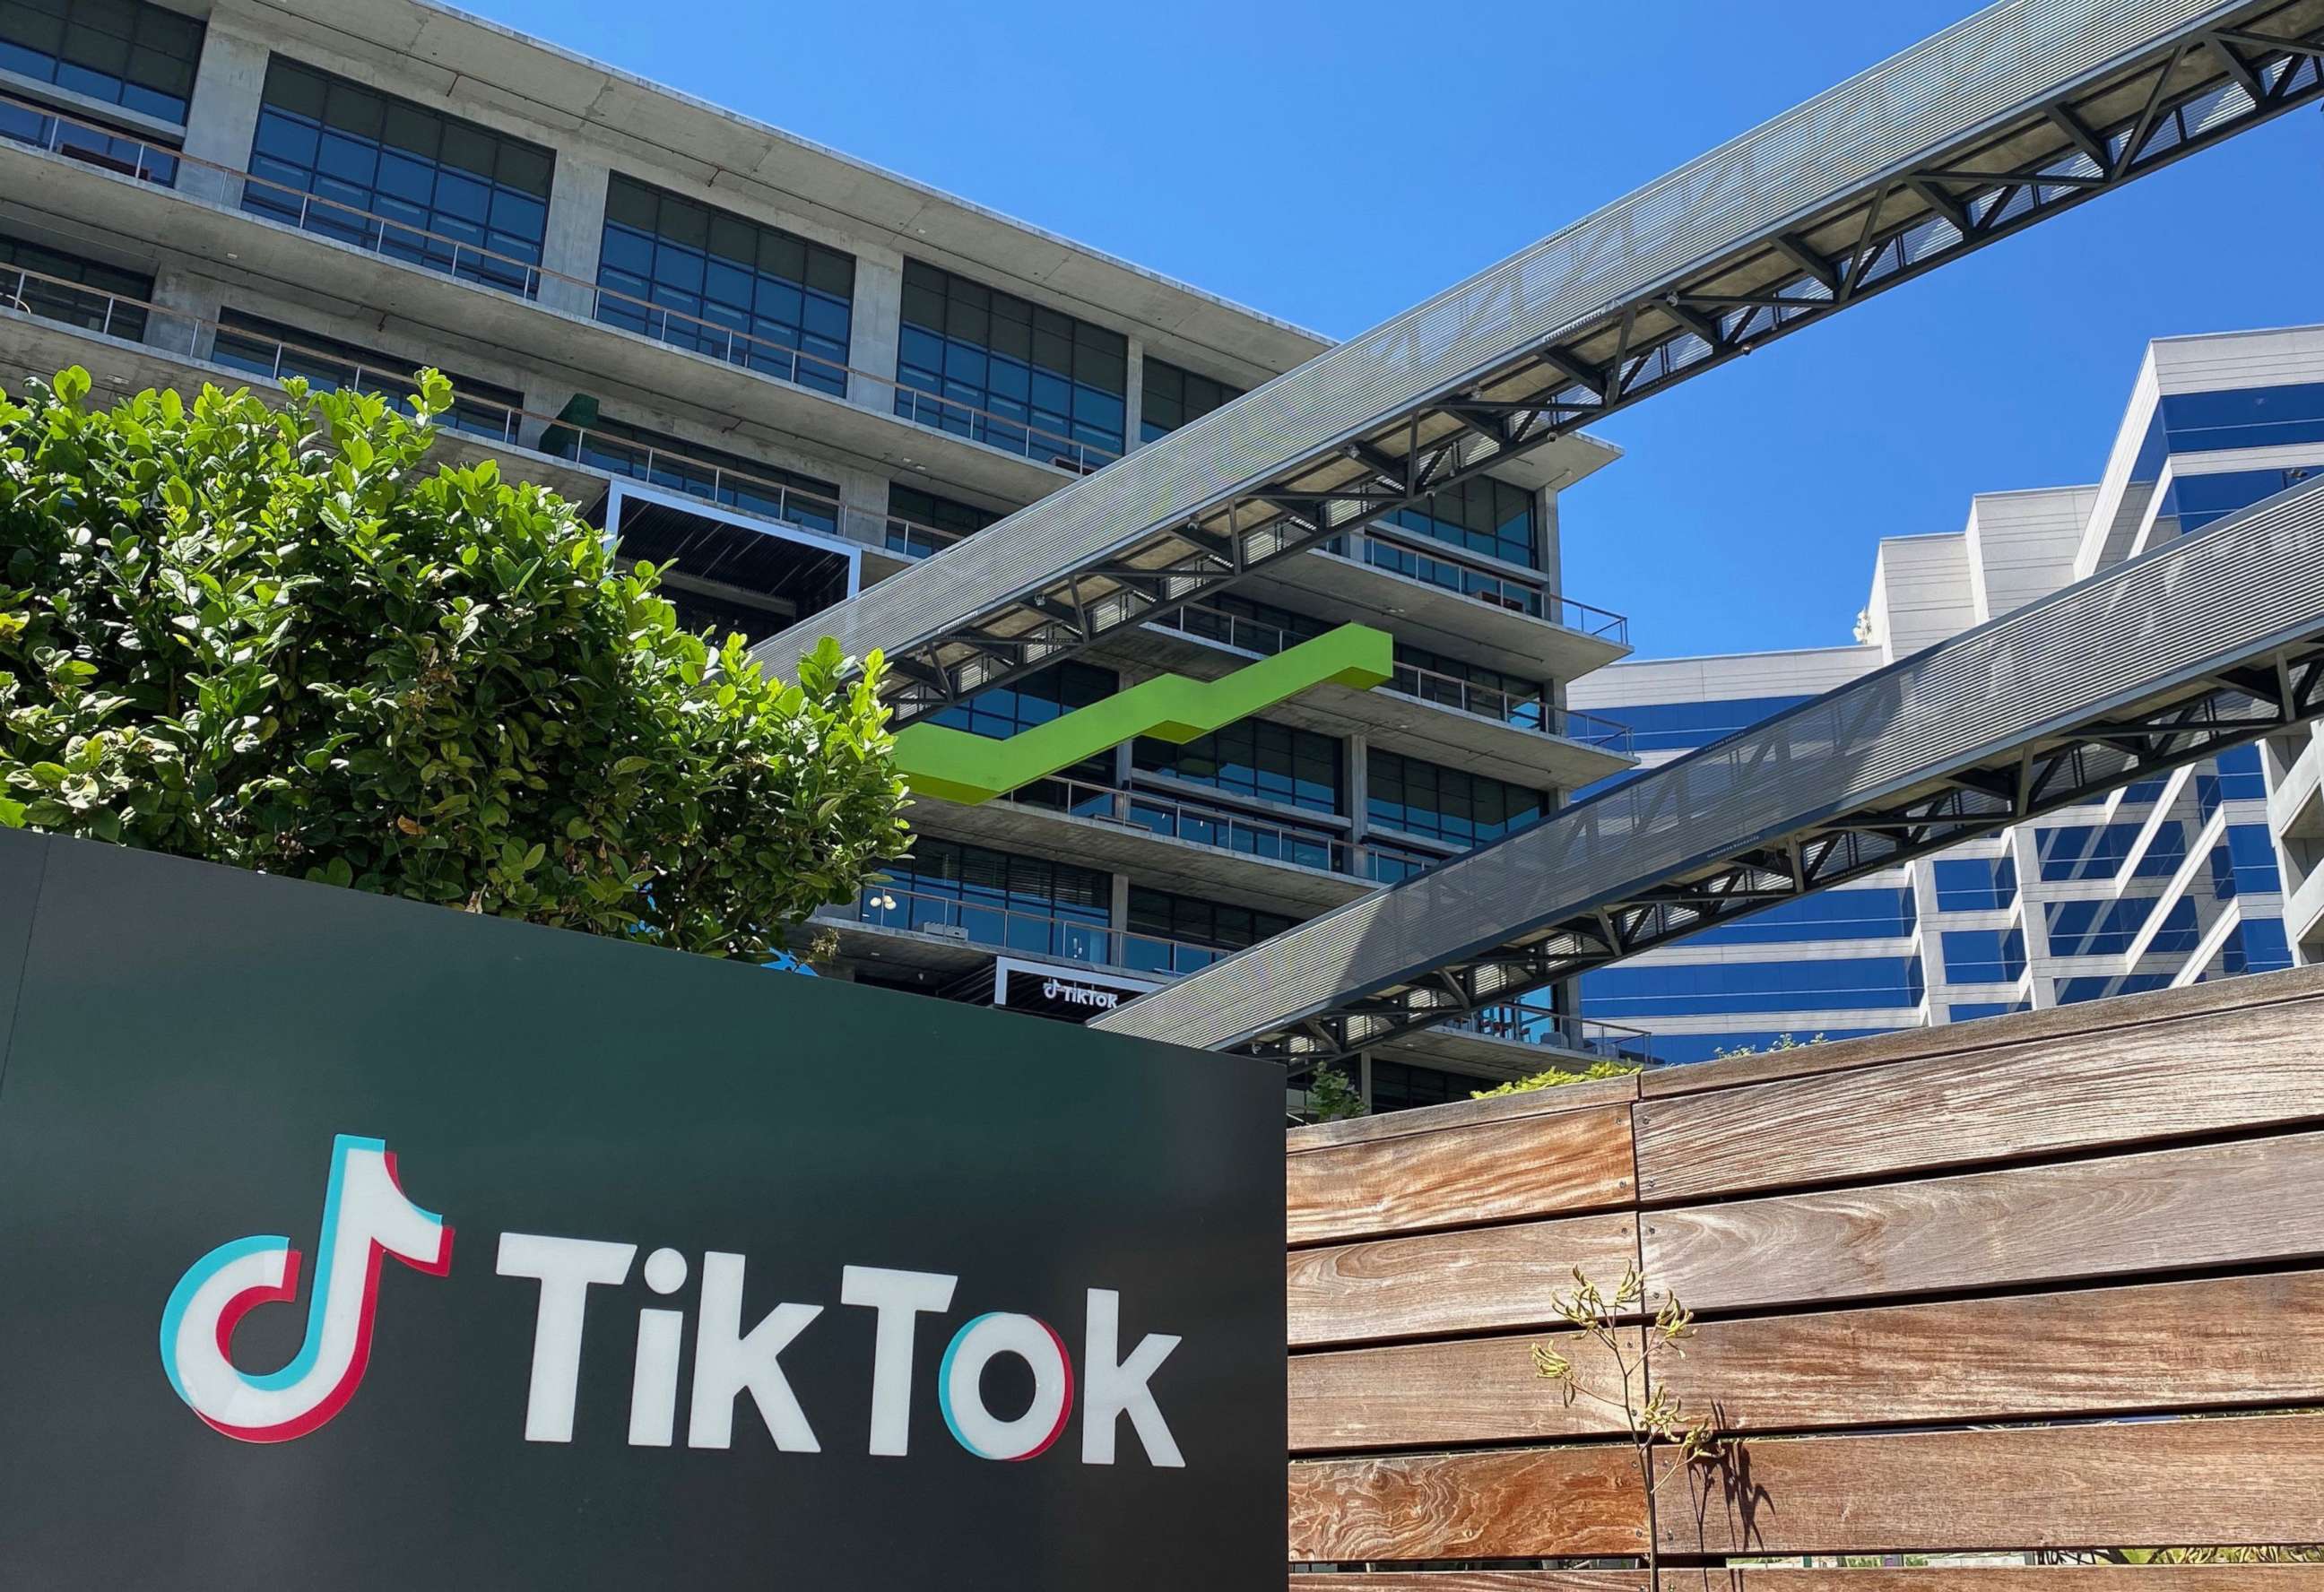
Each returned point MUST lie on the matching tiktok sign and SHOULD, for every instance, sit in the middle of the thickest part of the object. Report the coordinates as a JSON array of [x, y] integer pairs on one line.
[[367, 1216]]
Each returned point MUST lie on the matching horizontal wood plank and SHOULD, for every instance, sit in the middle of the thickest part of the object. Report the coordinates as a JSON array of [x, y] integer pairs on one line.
[[2211, 1483], [2119, 1013], [2073, 1577], [1500, 1108], [1494, 1504], [2261, 1199], [2239, 1342], [2064, 1578], [1495, 1278], [1485, 1580], [1537, 1166], [1436, 1394], [2259, 1067]]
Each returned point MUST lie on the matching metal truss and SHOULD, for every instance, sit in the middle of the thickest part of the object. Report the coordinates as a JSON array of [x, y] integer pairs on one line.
[[1021, 595], [2287, 688], [2197, 646]]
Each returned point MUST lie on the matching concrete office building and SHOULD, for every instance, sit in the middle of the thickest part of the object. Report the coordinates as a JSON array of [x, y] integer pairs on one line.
[[2211, 871], [792, 375]]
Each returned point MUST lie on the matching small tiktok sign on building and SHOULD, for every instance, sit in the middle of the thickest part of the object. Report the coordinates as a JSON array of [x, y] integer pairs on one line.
[[357, 1244]]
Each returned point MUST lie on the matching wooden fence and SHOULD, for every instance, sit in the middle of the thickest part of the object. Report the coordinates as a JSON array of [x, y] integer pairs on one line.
[[1957, 1289]]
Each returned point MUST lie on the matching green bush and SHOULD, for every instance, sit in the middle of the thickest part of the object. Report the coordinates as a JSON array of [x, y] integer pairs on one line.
[[280, 640]]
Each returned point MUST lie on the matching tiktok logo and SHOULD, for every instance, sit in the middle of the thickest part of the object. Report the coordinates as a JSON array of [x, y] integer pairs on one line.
[[366, 1215]]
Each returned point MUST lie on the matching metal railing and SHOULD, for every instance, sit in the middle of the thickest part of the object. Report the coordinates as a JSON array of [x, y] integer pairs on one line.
[[1218, 828], [45, 127], [1526, 1025], [467, 262], [1523, 710], [1004, 928], [1408, 557], [259, 354]]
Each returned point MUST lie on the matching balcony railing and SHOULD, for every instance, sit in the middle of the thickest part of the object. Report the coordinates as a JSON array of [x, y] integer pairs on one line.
[[1526, 1025], [43, 128], [1035, 933], [82, 308], [1220, 828], [1523, 710], [1434, 566]]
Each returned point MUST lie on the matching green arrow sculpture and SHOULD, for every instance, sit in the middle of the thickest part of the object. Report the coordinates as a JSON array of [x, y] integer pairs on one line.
[[961, 766]]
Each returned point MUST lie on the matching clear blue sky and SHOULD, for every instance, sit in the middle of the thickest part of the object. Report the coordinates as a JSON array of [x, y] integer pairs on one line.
[[1332, 163]]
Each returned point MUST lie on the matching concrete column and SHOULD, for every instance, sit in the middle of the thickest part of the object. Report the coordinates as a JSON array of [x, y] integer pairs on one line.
[[862, 506], [1355, 787], [223, 116], [875, 328], [1547, 552], [1134, 395], [576, 230], [177, 288]]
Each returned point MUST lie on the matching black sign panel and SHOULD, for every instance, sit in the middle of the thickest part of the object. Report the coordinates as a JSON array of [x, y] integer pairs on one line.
[[360, 1244], [1074, 994]]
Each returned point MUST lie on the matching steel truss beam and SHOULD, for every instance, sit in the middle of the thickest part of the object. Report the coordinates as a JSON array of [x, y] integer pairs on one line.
[[2199, 645], [981, 615]]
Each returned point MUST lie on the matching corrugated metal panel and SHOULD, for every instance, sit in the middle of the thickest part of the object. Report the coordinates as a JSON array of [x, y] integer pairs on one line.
[[2239, 590], [1972, 77]]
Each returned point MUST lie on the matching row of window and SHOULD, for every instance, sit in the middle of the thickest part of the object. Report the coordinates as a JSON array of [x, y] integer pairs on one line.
[[139, 57], [1847, 983], [1984, 956], [2247, 417], [1882, 914], [1975, 884]]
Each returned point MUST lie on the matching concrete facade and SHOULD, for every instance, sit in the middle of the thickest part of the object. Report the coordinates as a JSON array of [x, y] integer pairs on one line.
[[244, 267], [2216, 869]]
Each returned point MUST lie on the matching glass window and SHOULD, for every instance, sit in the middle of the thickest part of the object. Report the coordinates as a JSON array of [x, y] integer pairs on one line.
[[1482, 515], [1240, 622], [85, 293], [2074, 992], [1170, 397], [126, 52], [992, 366], [1004, 711], [1678, 726], [1830, 915], [1256, 757], [1471, 688], [679, 465], [1197, 931], [2244, 863], [2109, 928], [1400, 1086], [1970, 1011], [1702, 1047], [1450, 805], [1028, 903], [920, 523], [2247, 417], [2256, 946], [1833, 983], [1984, 956], [726, 286], [2085, 850], [355, 164], [278, 351], [1976, 884]]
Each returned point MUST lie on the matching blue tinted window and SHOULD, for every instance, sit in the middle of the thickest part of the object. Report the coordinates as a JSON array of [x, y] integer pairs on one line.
[[1703, 1048], [1970, 1011], [1400, 1086], [1830, 915], [2244, 863], [1002, 711], [1450, 805], [2109, 928], [1671, 726], [2256, 945], [724, 286], [126, 52], [1179, 934], [1020, 903], [277, 352], [92, 300], [706, 472], [1984, 956], [2073, 991], [352, 163], [921, 524], [2199, 500], [992, 366], [1171, 396], [2251, 417], [2084, 851], [1975, 884], [1847, 983], [1255, 758], [1482, 515]]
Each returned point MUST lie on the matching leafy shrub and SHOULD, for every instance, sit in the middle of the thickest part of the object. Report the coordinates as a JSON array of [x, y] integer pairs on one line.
[[278, 639]]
